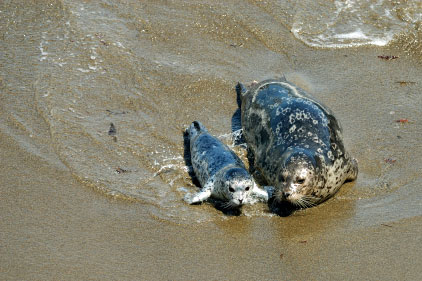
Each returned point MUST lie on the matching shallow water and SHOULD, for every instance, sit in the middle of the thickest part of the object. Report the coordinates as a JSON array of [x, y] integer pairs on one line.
[[103, 90], [124, 65], [353, 22]]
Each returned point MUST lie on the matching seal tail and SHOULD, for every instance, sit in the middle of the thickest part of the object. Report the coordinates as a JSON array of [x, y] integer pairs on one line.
[[195, 129], [240, 92], [237, 115]]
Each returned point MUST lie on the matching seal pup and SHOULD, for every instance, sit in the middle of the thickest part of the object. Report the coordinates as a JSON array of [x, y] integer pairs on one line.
[[220, 172], [294, 142]]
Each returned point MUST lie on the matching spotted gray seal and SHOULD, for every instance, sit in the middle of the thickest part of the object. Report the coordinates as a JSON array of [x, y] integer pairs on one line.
[[220, 171], [295, 143]]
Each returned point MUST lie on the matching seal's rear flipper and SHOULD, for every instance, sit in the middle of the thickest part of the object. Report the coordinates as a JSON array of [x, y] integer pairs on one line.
[[238, 138], [195, 129], [240, 91]]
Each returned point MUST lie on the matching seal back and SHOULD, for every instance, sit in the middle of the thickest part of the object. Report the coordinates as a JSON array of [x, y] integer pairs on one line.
[[295, 142]]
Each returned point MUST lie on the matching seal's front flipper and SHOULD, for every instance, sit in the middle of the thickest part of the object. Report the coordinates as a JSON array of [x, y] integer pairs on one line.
[[260, 194], [269, 190], [196, 198], [353, 171], [201, 196]]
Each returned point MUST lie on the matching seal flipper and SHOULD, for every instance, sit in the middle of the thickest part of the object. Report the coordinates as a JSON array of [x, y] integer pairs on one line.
[[236, 118], [195, 129], [240, 91], [353, 171], [259, 193], [202, 195]]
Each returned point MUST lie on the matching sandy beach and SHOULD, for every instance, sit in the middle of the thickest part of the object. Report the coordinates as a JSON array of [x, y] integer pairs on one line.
[[80, 203]]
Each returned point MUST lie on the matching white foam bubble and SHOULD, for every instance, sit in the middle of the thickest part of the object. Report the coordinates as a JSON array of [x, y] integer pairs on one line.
[[353, 23], [357, 34]]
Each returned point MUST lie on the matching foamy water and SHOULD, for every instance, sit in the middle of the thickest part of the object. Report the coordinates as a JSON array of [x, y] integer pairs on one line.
[[351, 23]]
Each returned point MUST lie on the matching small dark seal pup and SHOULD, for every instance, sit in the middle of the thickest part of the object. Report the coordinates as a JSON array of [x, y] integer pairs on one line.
[[295, 143], [220, 171]]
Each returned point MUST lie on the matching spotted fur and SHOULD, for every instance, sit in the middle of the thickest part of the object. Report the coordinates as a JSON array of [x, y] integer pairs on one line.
[[295, 143], [220, 171]]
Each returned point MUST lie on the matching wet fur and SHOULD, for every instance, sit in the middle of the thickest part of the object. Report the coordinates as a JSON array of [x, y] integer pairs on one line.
[[280, 120], [218, 168]]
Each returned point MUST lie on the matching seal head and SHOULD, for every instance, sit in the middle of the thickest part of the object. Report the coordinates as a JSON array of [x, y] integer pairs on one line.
[[298, 179], [237, 185]]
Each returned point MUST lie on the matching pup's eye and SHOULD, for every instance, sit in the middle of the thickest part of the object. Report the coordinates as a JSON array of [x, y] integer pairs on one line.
[[300, 181], [231, 189], [247, 188]]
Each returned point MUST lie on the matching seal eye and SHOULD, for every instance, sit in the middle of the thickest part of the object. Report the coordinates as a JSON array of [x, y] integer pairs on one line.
[[300, 181], [247, 188], [231, 189]]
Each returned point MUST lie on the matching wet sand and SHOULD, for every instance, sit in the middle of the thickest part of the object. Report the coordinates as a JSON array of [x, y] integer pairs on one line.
[[53, 228], [57, 226]]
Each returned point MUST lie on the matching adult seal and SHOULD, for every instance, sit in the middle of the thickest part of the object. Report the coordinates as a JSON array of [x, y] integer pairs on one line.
[[220, 171], [295, 143]]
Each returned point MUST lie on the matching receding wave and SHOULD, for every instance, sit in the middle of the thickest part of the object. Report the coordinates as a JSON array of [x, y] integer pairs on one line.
[[342, 24]]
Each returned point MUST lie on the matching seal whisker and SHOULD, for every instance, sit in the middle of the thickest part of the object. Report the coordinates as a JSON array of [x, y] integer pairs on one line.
[[311, 199], [308, 201], [300, 203], [229, 205]]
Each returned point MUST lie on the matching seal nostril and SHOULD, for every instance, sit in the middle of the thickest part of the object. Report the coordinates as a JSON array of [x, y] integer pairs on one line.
[[286, 194], [240, 201]]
